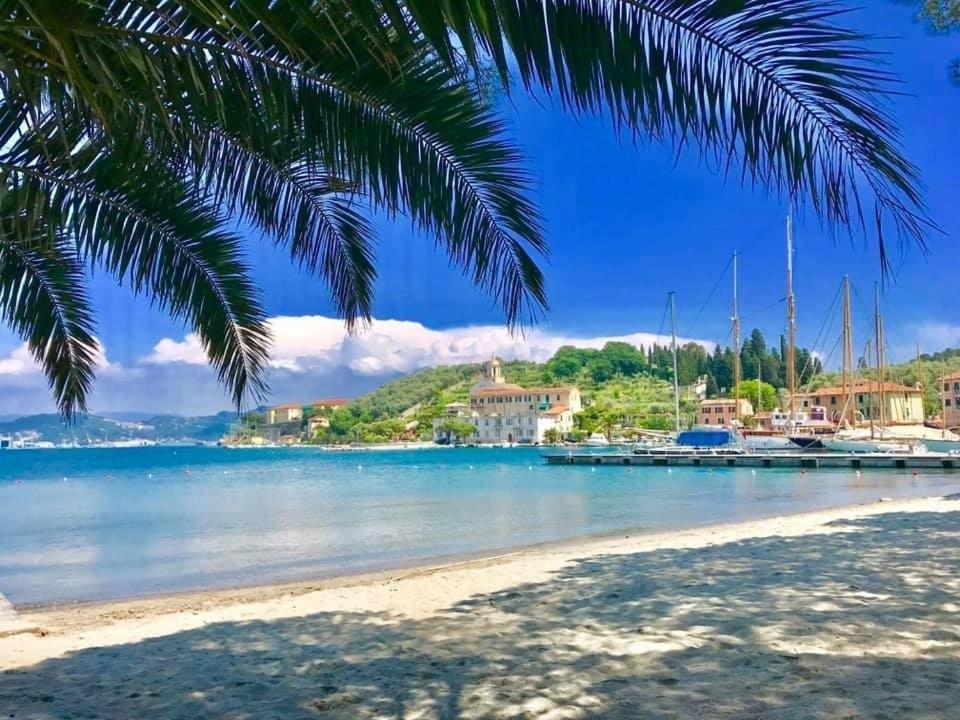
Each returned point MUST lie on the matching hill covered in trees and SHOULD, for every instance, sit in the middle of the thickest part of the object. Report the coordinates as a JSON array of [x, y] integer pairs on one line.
[[619, 382]]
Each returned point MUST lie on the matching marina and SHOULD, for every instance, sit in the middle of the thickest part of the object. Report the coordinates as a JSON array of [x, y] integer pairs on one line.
[[805, 460]]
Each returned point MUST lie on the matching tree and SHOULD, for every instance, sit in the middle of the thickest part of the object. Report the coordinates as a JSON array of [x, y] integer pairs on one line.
[[133, 134], [551, 436], [624, 357], [567, 361], [457, 428], [940, 17], [600, 369], [768, 394]]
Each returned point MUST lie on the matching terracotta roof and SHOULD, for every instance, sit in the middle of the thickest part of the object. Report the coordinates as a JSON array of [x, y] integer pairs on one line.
[[500, 389], [557, 409], [332, 402], [722, 401], [952, 376], [558, 388], [861, 387], [288, 406]]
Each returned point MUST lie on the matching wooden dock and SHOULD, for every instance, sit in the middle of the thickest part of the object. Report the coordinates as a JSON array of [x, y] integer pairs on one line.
[[811, 460]]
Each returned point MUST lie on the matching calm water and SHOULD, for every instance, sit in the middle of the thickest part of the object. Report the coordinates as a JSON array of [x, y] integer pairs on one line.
[[88, 524]]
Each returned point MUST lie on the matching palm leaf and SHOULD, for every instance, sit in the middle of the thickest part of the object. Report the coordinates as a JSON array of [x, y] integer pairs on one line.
[[777, 86], [42, 298], [145, 227]]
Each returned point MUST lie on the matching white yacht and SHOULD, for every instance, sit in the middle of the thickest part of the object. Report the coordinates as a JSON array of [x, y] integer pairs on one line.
[[597, 439]]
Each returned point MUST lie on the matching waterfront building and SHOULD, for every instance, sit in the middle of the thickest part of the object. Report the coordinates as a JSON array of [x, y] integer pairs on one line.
[[903, 405], [950, 399], [291, 412], [722, 411], [502, 412]]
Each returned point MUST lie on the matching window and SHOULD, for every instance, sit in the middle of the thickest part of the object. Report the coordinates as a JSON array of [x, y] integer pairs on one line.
[[946, 402], [946, 386], [719, 421], [806, 403], [833, 399], [860, 399]]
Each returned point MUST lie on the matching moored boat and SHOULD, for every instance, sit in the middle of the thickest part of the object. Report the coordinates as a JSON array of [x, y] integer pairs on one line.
[[597, 439]]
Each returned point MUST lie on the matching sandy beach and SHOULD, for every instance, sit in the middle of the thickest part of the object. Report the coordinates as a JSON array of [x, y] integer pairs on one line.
[[846, 613]]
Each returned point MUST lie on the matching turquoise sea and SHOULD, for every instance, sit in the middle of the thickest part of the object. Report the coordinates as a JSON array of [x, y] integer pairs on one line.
[[105, 523]]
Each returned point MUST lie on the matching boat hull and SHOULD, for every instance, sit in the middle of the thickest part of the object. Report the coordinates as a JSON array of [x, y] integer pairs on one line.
[[865, 446], [768, 442]]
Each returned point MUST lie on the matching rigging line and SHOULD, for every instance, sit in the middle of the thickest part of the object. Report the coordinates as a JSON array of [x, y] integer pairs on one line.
[[763, 309], [830, 316], [867, 309], [663, 320], [706, 302]]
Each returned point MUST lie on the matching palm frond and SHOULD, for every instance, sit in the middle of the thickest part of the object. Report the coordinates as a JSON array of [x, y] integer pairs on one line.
[[42, 298], [405, 132], [776, 85], [154, 232]]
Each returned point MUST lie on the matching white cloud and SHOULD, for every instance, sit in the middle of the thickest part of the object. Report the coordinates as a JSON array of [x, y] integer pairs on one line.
[[312, 343], [312, 356], [189, 351], [18, 362], [937, 336]]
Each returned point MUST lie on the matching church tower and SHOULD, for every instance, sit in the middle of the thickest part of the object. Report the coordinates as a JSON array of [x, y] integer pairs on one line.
[[493, 373]]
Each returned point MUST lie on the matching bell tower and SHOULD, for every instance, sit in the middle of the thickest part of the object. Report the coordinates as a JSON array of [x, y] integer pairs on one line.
[[493, 373]]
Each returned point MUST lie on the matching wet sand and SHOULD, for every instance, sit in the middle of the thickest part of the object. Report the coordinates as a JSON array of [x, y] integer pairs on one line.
[[845, 613]]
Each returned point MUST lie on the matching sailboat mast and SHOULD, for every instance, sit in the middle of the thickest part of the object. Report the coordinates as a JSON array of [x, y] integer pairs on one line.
[[736, 346], [943, 398], [676, 381], [879, 339], [847, 355], [759, 391], [870, 395], [791, 321]]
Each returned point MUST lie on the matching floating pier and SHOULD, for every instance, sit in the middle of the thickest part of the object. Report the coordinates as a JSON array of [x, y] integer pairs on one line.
[[812, 460]]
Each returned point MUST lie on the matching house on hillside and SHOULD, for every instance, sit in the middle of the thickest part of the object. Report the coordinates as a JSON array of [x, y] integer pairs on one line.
[[320, 411], [291, 412], [502, 412], [326, 406]]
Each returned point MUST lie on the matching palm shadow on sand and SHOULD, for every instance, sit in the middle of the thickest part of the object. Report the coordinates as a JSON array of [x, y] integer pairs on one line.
[[860, 621]]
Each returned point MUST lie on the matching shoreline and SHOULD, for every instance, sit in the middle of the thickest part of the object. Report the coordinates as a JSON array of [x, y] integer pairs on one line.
[[412, 592], [430, 564]]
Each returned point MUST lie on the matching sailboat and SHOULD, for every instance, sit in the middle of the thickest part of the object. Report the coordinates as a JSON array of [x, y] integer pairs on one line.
[[863, 440], [751, 440], [702, 439]]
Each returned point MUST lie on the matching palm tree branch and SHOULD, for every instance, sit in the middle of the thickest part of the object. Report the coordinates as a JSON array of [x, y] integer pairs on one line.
[[43, 299], [168, 245]]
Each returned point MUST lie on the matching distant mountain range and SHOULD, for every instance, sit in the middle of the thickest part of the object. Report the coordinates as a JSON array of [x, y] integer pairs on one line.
[[119, 426]]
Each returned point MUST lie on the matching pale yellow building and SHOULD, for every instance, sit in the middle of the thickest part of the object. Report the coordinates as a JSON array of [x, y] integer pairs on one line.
[[903, 405], [291, 412]]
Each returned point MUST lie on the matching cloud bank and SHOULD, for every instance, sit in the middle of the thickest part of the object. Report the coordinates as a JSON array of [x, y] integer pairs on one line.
[[312, 355]]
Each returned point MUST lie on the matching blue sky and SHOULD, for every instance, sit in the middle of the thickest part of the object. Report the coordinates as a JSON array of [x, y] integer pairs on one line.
[[625, 225]]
